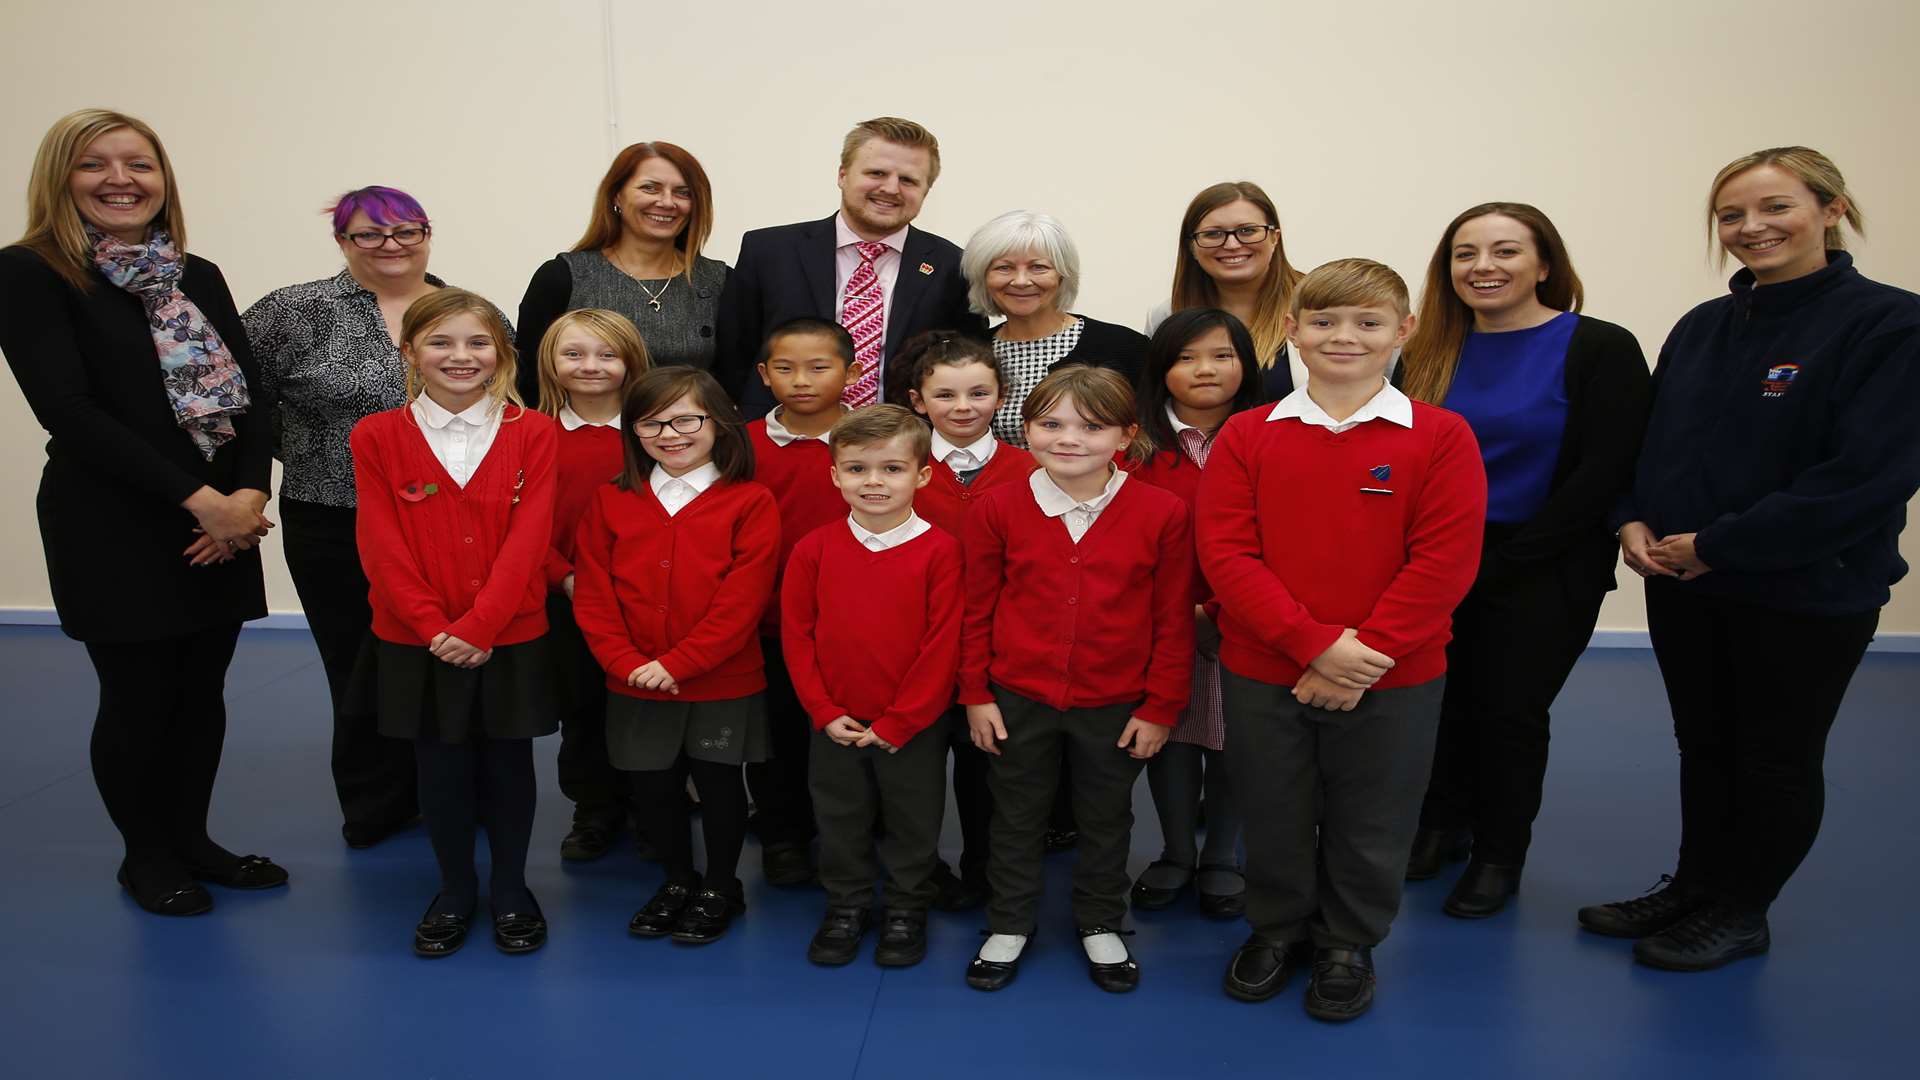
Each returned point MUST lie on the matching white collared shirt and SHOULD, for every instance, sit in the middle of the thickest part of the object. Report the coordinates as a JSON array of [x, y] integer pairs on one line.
[[1388, 404], [573, 421], [1179, 425], [893, 537], [969, 458], [459, 441], [1078, 516], [846, 259], [778, 432], [675, 492]]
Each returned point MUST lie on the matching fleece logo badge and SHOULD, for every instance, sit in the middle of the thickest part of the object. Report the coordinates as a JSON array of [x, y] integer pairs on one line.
[[1779, 377]]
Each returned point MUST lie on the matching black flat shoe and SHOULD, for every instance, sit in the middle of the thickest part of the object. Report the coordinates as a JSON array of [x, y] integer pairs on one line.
[[1221, 905], [1482, 891], [707, 917], [191, 900], [249, 872], [440, 935], [1259, 970], [1433, 849], [953, 892], [903, 938], [588, 839], [1059, 840], [1156, 897], [1664, 906], [786, 864], [837, 941], [1342, 984], [1714, 936], [361, 835], [991, 975], [520, 931], [662, 912], [1118, 977]]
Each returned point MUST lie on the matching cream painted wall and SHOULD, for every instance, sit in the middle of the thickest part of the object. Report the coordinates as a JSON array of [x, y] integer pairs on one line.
[[1371, 124]]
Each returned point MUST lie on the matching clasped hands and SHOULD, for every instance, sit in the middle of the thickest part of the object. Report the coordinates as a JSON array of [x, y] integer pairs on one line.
[[853, 734], [225, 524], [1337, 677], [1672, 556]]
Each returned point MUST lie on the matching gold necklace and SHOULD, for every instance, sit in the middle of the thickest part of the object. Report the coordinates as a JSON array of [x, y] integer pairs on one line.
[[653, 298]]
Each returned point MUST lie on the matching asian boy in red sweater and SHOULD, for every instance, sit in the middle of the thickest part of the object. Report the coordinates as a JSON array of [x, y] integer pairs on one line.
[[1339, 529], [870, 624]]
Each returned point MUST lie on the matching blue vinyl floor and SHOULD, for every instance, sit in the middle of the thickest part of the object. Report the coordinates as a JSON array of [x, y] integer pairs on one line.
[[317, 980]]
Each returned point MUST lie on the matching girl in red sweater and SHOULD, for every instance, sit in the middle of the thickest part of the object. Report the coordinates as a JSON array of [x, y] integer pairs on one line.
[[1201, 369], [673, 565], [456, 509], [588, 358], [1077, 643]]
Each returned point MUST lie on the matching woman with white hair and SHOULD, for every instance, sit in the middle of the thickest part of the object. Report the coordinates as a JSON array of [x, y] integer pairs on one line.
[[1023, 267]]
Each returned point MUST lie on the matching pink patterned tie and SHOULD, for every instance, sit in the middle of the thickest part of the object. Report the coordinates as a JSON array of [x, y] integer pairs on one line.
[[863, 311]]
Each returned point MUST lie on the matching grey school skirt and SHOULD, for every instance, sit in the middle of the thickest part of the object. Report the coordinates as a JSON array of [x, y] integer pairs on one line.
[[645, 735]]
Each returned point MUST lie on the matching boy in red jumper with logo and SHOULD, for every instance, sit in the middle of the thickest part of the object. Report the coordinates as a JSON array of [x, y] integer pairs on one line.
[[807, 363], [875, 678], [1339, 530]]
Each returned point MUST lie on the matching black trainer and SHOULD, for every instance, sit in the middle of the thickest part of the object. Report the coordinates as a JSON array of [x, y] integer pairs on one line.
[[1714, 936], [1668, 902], [837, 941], [903, 938], [1342, 984]]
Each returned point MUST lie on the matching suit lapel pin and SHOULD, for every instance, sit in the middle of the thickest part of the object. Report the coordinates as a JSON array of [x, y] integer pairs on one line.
[[926, 268]]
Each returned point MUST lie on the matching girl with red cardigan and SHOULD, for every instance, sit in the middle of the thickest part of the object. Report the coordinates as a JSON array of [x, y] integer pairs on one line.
[[456, 508], [1041, 683], [588, 358], [673, 566]]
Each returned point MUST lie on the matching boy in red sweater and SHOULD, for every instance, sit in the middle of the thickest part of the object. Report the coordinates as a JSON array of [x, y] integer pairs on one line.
[[1339, 530], [875, 678], [807, 363]]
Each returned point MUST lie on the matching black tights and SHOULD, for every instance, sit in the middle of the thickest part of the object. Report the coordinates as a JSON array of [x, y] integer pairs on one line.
[[660, 796], [481, 782]]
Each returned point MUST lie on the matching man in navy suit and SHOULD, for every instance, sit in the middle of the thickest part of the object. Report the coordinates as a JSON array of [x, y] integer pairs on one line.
[[865, 267]]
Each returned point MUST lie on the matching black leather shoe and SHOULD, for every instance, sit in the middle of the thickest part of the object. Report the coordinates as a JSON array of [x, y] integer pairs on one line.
[[1668, 902], [1433, 849], [440, 935], [993, 975], [520, 931], [662, 913], [1059, 840], [1482, 891], [1118, 977], [707, 917], [361, 835], [903, 938], [837, 941], [588, 840], [1157, 898], [1342, 984], [249, 872], [1221, 905], [786, 864], [1715, 935], [1259, 970], [953, 892], [163, 900]]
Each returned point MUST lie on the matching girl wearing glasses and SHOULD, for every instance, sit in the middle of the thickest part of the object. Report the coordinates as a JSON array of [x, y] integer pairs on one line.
[[1230, 256], [673, 566]]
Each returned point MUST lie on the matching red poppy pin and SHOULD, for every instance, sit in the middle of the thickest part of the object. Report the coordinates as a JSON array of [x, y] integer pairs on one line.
[[519, 481], [926, 268], [416, 491]]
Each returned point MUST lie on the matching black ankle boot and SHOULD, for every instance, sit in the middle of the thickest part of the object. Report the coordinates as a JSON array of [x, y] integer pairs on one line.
[[1433, 849], [1482, 891], [1715, 935], [1665, 905]]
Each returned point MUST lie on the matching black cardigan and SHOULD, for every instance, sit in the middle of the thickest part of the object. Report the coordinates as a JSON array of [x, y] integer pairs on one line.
[[1105, 344], [118, 466]]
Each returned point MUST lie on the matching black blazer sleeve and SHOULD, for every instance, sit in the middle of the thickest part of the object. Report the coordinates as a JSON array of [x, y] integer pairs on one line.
[[547, 297]]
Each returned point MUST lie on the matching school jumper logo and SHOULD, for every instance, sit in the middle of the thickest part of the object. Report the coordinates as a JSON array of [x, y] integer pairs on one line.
[[1382, 473], [1779, 377]]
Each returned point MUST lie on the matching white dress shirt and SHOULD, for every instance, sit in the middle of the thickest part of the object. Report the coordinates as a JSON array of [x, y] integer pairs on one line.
[[778, 433], [1388, 404], [675, 492], [968, 458], [573, 421], [1078, 516], [846, 259], [458, 440], [893, 537]]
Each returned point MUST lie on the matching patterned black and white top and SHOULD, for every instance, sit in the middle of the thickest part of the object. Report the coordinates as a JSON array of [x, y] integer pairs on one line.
[[1022, 365], [326, 360]]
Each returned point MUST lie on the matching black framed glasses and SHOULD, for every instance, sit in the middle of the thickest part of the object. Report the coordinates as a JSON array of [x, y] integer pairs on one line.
[[1246, 234], [405, 236], [685, 424]]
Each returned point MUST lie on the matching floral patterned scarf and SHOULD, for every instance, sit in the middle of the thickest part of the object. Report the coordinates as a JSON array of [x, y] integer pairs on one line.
[[203, 381]]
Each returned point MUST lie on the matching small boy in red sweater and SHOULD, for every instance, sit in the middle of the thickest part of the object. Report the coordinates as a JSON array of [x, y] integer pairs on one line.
[[870, 625], [1339, 529], [807, 363]]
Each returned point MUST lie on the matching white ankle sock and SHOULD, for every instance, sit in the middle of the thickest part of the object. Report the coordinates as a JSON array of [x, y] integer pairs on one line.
[[1003, 948], [1104, 948]]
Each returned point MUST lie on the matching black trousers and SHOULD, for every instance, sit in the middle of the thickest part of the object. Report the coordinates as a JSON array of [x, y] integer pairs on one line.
[[1024, 779], [1754, 693], [851, 789], [597, 790], [1331, 801], [1516, 637], [972, 799], [373, 776], [782, 804], [157, 737]]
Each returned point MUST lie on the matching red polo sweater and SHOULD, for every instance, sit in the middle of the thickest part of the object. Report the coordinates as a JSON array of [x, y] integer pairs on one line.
[[461, 561], [800, 477], [874, 635], [1101, 622], [944, 502], [589, 458], [686, 590], [1297, 552]]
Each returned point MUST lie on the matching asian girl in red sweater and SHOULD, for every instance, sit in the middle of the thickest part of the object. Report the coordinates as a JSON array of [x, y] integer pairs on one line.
[[456, 509], [673, 566]]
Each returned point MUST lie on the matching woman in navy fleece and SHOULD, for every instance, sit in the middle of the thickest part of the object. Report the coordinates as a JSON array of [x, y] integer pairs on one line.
[[1765, 517]]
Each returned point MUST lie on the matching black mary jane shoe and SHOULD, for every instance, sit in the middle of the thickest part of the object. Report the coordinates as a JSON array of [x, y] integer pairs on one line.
[[361, 835], [516, 932], [440, 935], [1118, 977], [663, 910], [1155, 897], [1433, 849], [1342, 984], [837, 941], [991, 975], [1482, 891], [1258, 970], [1221, 905], [903, 938], [707, 917], [191, 900], [248, 872]]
